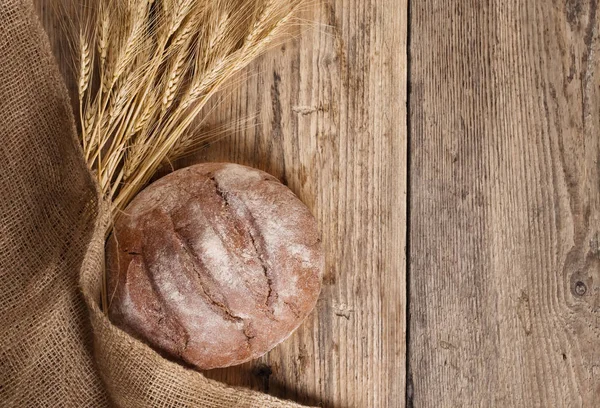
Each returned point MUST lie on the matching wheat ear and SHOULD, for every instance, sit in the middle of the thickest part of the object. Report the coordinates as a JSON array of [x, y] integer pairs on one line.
[[158, 63]]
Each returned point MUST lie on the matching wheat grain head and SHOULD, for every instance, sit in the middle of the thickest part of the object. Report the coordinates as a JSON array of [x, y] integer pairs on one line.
[[148, 67]]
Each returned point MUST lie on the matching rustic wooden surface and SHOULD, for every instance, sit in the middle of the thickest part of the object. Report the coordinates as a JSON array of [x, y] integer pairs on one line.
[[504, 197], [504, 204], [326, 112]]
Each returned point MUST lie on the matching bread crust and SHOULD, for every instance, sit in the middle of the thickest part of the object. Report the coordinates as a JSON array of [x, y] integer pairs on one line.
[[214, 264]]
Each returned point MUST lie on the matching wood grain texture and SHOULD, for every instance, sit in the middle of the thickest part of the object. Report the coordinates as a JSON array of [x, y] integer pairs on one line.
[[504, 203], [325, 112]]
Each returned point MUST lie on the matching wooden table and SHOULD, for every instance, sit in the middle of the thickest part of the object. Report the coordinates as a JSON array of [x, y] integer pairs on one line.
[[463, 235]]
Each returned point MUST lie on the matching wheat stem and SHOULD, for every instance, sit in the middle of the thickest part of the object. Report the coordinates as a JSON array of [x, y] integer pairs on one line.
[[159, 62]]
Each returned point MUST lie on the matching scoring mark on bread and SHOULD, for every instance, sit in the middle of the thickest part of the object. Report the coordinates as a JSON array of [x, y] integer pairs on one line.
[[256, 239], [197, 266], [220, 192], [219, 307], [203, 274], [179, 333], [271, 294]]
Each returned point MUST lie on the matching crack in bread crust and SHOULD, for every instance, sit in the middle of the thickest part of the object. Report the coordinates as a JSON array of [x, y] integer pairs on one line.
[[250, 228], [197, 266], [165, 312], [200, 270], [271, 295]]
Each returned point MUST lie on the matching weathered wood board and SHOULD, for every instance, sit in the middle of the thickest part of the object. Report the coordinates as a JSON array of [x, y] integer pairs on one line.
[[504, 263]]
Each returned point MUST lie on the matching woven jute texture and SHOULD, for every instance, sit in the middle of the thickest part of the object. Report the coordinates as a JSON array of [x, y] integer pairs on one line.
[[57, 349]]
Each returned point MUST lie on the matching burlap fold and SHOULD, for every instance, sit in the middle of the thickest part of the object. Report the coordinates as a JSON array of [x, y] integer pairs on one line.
[[56, 346]]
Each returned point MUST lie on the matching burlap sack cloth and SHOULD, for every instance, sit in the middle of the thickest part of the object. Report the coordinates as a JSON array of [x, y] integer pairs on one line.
[[57, 349]]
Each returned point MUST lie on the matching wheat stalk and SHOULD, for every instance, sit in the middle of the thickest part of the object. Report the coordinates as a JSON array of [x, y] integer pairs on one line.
[[147, 68]]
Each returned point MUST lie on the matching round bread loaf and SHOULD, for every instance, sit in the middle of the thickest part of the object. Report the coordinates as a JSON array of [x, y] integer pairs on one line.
[[214, 264]]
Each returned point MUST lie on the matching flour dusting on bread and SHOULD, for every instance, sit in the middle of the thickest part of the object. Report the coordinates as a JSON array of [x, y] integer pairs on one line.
[[215, 264]]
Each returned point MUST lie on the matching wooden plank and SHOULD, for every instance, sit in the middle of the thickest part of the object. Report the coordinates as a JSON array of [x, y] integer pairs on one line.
[[504, 203], [326, 113]]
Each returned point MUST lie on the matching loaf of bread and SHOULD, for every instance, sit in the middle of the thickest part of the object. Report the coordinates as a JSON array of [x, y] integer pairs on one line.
[[214, 265]]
